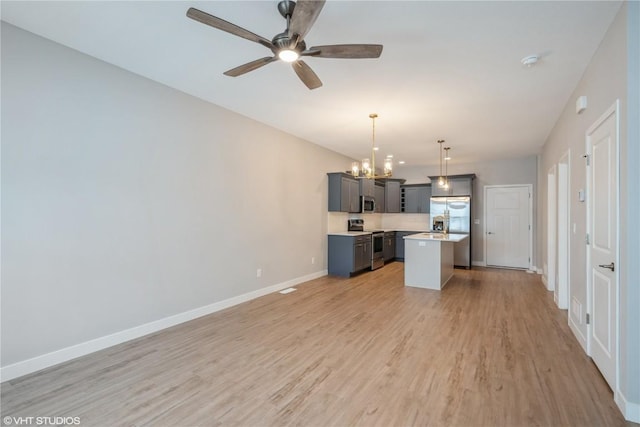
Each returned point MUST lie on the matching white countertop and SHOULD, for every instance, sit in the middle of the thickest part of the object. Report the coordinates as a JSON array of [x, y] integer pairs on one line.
[[350, 233], [438, 237]]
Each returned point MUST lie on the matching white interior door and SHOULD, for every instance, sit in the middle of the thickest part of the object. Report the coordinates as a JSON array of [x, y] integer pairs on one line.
[[507, 238], [602, 149]]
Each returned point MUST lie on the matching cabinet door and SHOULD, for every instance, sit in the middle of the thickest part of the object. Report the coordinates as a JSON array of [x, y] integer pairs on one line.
[[457, 187], [345, 200], [358, 256], [410, 198], [425, 199], [415, 199], [367, 187], [379, 196], [461, 186], [400, 245], [389, 250], [392, 197], [437, 191], [366, 262], [354, 196]]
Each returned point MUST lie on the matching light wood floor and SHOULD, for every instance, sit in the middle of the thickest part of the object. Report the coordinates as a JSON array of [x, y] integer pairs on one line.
[[489, 350]]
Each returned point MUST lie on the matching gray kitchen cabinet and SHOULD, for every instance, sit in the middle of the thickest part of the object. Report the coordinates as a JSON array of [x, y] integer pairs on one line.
[[415, 198], [379, 192], [367, 187], [400, 243], [459, 185], [389, 248], [344, 193], [392, 196], [362, 253], [349, 254]]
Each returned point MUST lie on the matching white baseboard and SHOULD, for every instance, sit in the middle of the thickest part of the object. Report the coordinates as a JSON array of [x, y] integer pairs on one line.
[[37, 363], [478, 263], [544, 281], [630, 410], [582, 340], [540, 271]]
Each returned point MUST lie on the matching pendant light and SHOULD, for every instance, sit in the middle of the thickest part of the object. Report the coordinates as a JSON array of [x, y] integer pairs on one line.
[[446, 168], [441, 180], [367, 169]]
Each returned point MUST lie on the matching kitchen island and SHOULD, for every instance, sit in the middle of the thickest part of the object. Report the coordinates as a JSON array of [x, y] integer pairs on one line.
[[428, 259]]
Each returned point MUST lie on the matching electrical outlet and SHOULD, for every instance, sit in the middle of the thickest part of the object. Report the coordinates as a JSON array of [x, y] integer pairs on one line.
[[259, 272], [313, 260]]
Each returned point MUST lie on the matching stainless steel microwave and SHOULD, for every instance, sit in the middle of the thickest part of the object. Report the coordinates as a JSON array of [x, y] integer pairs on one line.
[[367, 204]]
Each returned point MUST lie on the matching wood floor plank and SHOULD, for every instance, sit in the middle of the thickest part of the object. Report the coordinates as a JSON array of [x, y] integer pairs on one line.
[[490, 349]]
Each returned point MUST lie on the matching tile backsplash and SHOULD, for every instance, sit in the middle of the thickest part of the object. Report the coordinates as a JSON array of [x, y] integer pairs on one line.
[[337, 221], [406, 221]]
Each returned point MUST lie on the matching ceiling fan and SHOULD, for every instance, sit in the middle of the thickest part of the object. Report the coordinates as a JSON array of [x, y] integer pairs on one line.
[[289, 46]]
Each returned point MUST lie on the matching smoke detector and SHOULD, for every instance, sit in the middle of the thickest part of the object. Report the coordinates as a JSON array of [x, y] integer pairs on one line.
[[530, 60]]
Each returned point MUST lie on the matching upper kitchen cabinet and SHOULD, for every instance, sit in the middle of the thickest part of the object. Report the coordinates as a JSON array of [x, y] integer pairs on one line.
[[367, 187], [415, 198], [379, 194], [459, 185], [344, 193], [392, 196]]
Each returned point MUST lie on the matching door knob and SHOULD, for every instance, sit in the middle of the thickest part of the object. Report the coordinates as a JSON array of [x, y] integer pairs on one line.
[[610, 266], [489, 232]]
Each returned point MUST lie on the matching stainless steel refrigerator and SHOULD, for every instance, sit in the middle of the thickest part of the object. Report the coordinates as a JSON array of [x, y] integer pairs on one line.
[[458, 211]]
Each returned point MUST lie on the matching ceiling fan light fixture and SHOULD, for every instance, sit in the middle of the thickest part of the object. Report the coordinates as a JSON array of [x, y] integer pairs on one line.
[[288, 55]]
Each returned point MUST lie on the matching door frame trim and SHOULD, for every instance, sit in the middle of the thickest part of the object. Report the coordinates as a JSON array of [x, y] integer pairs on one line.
[[564, 283], [612, 110], [531, 225], [552, 227]]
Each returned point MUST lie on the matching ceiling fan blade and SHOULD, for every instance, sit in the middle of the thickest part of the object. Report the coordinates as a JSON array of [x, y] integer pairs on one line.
[[352, 51], [304, 15], [250, 66], [223, 25], [306, 74]]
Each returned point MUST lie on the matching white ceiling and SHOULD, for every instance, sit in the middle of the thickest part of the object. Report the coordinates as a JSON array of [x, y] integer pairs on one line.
[[449, 70]]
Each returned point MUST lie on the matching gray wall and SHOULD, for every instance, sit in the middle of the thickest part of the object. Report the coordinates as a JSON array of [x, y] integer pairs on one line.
[[125, 201], [608, 77], [521, 170]]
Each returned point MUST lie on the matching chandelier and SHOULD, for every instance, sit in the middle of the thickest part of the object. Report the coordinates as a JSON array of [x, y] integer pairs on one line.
[[367, 168]]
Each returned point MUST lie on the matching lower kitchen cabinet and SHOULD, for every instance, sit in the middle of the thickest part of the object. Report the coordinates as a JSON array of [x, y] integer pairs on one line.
[[400, 243], [349, 254], [389, 249]]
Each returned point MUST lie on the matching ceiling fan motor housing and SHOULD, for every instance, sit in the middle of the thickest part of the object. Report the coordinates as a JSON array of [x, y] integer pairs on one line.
[[285, 7], [282, 41]]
